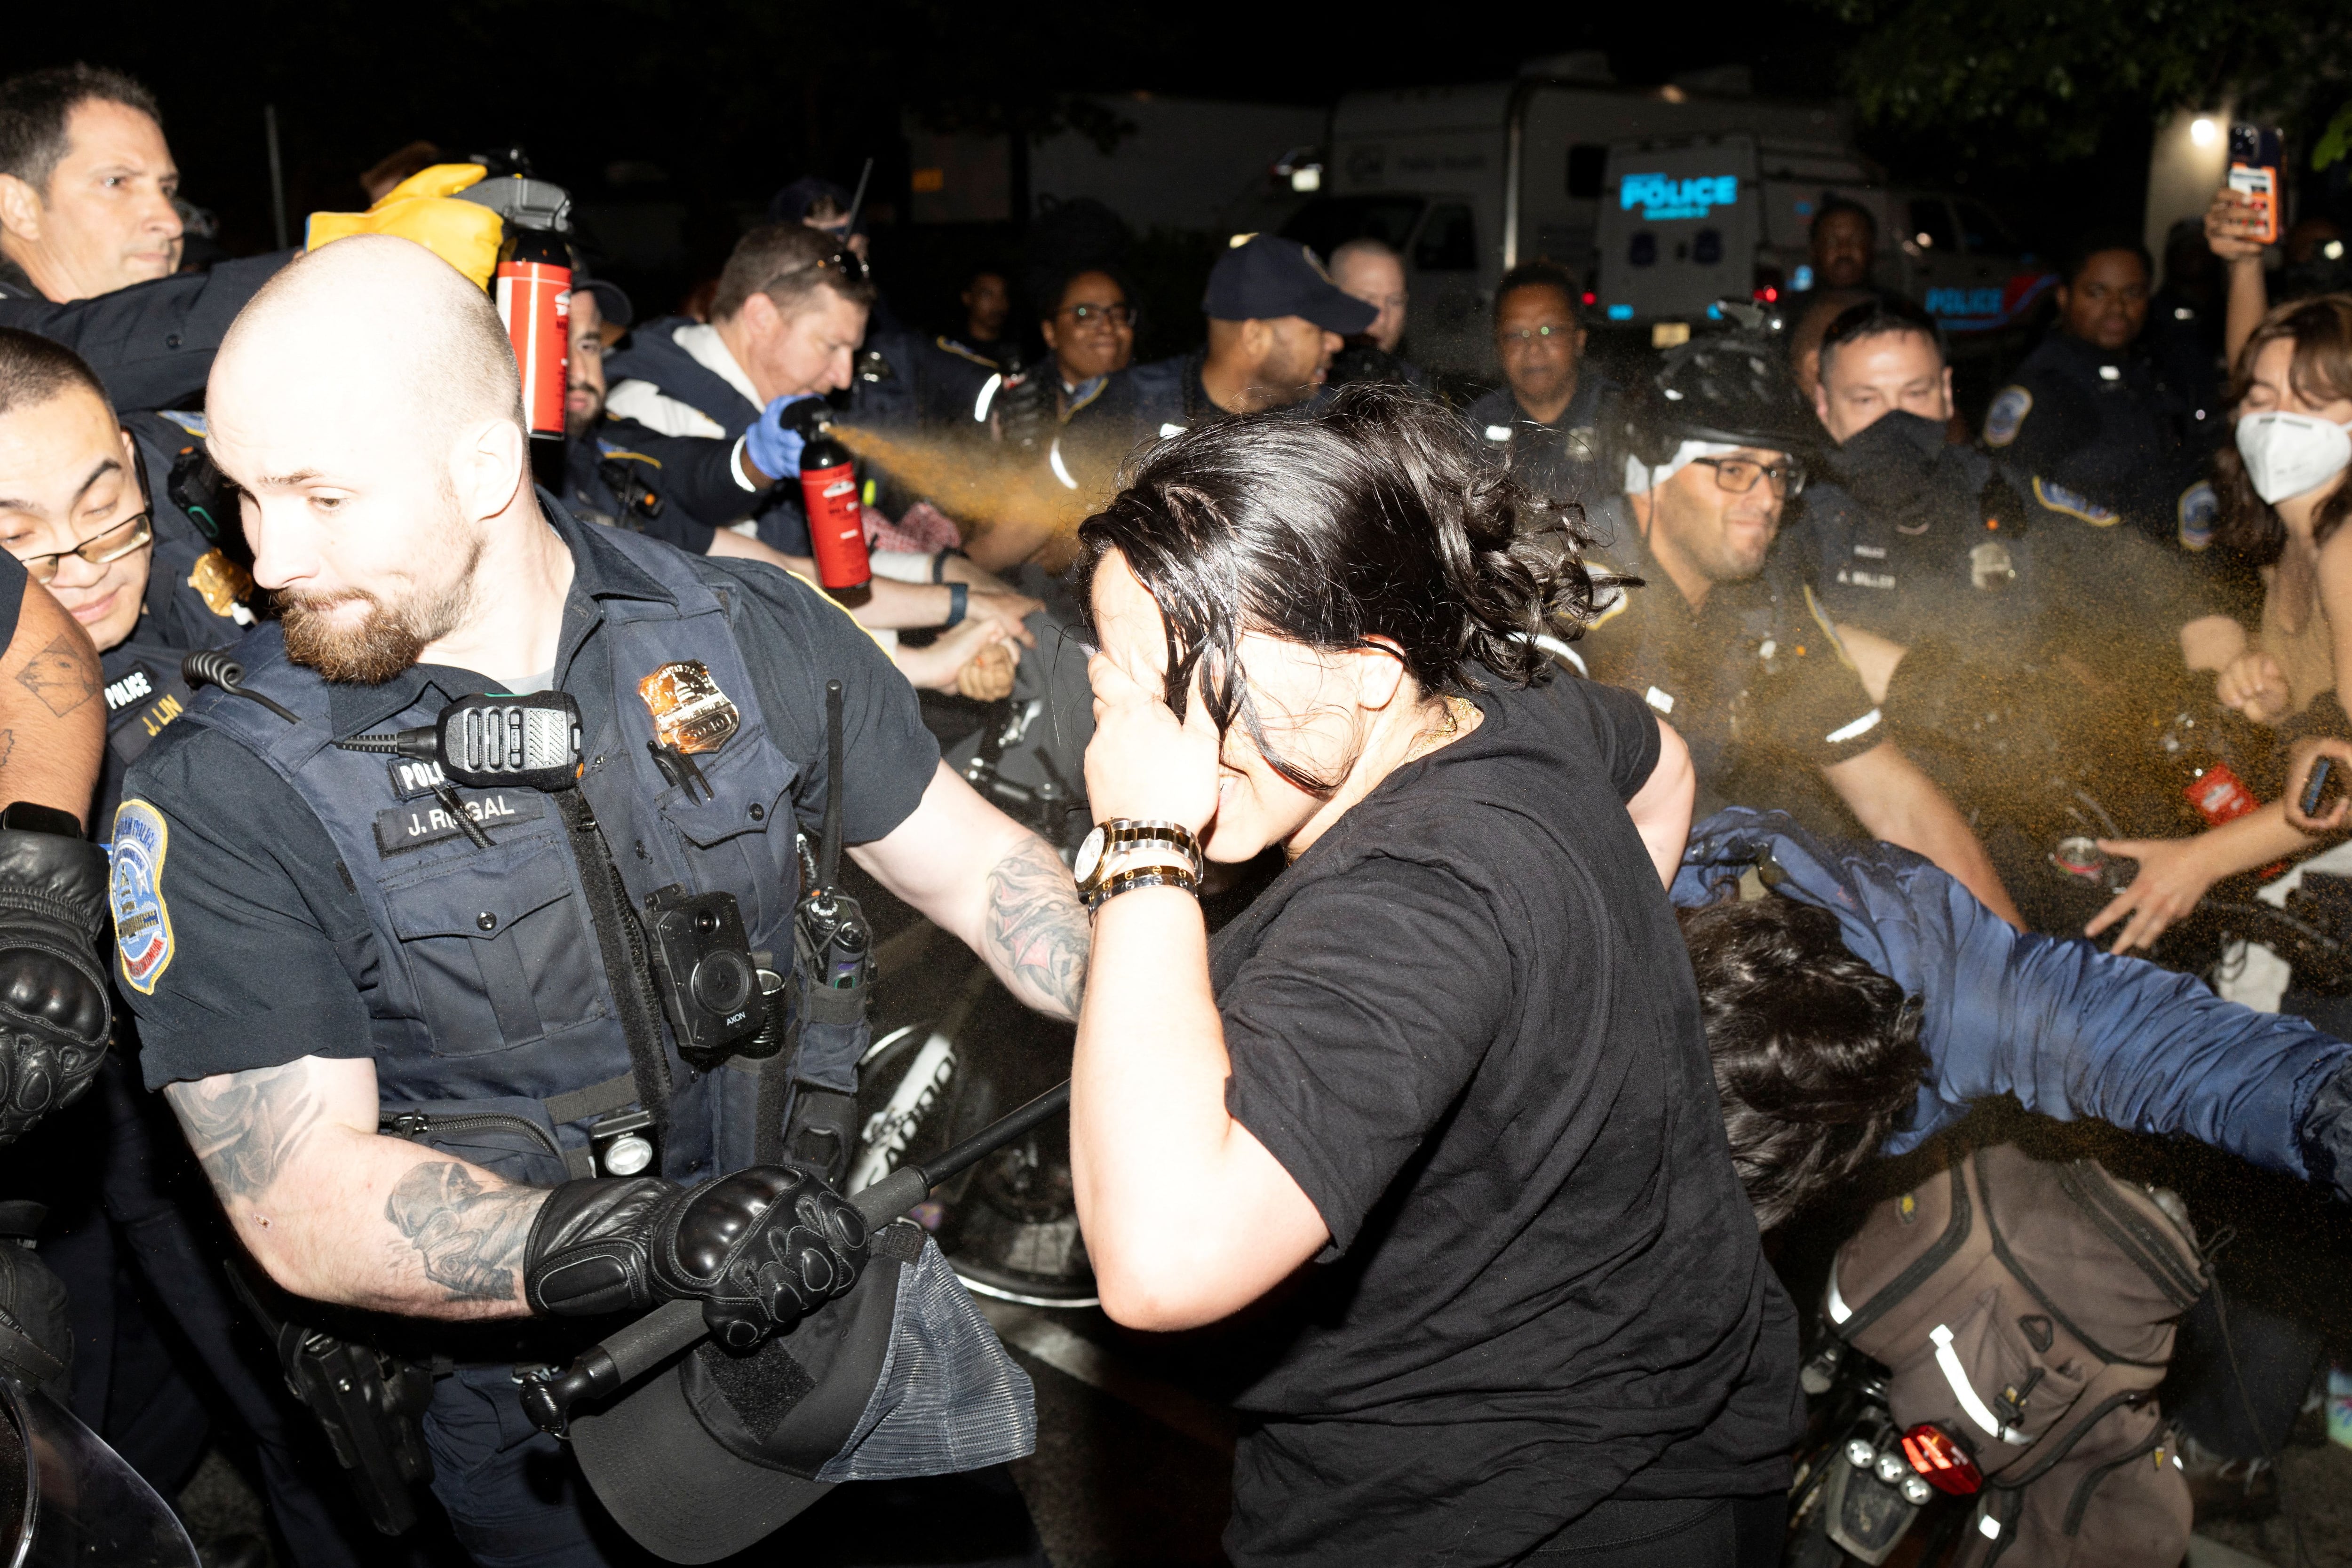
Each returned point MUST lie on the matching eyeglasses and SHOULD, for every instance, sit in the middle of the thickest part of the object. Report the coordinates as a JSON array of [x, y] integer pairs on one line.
[[1529, 334], [1119, 315], [134, 532], [1739, 475]]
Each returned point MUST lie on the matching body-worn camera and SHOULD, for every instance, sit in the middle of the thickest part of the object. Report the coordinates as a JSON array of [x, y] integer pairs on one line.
[[710, 984]]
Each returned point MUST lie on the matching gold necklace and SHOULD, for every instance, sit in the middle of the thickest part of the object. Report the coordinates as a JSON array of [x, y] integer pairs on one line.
[[1460, 714]]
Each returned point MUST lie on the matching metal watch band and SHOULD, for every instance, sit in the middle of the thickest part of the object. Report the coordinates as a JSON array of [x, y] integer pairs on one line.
[[1129, 880], [1121, 830]]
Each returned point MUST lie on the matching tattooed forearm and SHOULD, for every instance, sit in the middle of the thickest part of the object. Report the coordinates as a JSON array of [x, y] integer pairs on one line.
[[1037, 933], [246, 1126], [64, 676], [471, 1237]]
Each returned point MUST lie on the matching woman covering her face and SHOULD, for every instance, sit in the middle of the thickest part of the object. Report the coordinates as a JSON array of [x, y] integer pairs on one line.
[[1444, 1079]]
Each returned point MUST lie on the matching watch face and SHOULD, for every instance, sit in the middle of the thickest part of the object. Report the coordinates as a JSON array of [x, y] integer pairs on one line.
[[1089, 858]]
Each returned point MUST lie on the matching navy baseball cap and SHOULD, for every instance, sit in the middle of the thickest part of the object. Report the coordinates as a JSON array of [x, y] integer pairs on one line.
[[1267, 277], [612, 304]]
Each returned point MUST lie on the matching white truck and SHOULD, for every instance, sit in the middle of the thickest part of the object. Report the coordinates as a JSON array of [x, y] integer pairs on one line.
[[1660, 199]]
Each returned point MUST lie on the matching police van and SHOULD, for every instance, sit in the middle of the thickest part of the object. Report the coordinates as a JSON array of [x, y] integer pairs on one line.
[[1468, 181]]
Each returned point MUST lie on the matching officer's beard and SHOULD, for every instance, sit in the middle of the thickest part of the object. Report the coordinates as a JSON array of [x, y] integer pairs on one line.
[[390, 637]]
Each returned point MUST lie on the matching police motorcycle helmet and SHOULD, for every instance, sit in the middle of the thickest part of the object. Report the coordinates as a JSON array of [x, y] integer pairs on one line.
[[1734, 388]]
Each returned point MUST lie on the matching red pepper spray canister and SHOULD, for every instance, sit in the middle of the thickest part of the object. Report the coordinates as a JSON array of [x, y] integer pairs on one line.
[[534, 296], [837, 522], [2207, 780]]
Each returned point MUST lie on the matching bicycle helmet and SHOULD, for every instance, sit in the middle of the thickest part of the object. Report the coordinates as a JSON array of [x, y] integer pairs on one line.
[[1731, 387]]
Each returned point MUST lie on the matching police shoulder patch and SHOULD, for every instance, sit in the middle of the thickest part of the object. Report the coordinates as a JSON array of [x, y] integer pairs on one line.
[[2007, 415], [2199, 510], [142, 923], [2073, 503]]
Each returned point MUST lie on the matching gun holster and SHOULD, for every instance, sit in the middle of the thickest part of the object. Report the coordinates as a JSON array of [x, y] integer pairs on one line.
[[371, 1403]]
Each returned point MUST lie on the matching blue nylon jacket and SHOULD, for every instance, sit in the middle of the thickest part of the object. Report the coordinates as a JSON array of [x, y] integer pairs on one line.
[[2069, 1030]]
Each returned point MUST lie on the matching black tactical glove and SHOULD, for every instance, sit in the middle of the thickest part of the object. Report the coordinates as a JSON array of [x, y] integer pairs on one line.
[[2326, 1133], [760, 1248], [54, 1012]]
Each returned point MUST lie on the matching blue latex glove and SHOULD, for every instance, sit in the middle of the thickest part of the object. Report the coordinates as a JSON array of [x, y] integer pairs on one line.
[[774, 443]]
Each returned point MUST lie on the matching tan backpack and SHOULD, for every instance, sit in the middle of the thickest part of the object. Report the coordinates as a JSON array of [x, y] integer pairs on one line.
[[2027, 1307]]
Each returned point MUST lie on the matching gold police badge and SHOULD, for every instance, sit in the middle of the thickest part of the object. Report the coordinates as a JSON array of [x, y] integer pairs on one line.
[[690, 713], [226, 586]]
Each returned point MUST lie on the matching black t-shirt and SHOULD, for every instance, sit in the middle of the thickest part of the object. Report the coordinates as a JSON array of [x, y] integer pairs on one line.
[[272, 947], [1465, 1022]]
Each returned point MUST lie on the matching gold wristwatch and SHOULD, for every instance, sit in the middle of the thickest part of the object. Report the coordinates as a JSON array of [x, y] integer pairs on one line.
[[1125, 847]]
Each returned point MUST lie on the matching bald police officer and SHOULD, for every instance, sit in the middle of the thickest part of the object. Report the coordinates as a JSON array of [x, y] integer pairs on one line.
[[320, 953]]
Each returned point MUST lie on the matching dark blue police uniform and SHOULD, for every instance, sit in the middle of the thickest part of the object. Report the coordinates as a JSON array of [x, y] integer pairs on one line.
[[313, 900], [679, 489], [1755, 679], [1560, 459], [949, 376], [2097, 435], [1913, 538], [1917, 540], [152, 343], [651, 354]]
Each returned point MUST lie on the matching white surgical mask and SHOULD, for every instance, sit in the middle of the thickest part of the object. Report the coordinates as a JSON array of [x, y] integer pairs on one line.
[[2289, 454]]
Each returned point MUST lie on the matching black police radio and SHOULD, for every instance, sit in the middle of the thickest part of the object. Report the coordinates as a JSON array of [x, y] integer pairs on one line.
[[488, 742]]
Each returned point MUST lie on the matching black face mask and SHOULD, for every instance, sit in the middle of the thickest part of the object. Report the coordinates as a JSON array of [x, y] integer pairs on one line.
[[1900, 469]]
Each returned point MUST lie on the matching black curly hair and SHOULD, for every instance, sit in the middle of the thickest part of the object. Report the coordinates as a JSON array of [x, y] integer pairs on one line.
[[1370, 523], [1817, 1055]]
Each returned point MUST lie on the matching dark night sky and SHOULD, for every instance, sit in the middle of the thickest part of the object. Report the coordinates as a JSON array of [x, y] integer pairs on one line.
[[732, 98]]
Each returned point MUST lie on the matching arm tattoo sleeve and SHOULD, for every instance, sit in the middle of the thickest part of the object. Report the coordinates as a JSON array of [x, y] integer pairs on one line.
[[247, 1128], [470, 1238], [1037, 932]]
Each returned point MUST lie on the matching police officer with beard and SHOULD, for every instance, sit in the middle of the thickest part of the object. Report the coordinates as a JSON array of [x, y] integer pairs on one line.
[[402, 1052], [1727, 639], [2087, 421]]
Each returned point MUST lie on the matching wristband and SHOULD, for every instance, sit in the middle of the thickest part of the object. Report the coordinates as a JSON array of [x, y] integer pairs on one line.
[[940, 566], [1129, 880], [958, 602]]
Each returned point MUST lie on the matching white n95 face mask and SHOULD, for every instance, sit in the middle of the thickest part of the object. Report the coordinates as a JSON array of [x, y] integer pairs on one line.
[[2289, 454]]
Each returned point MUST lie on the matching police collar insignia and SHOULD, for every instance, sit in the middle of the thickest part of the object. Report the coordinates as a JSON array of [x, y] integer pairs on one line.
[[690, 713], [142, 925]]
